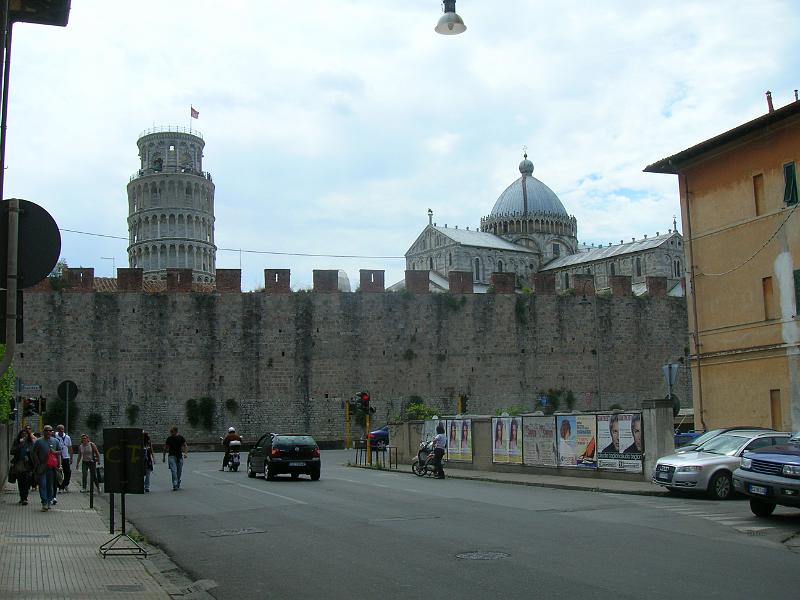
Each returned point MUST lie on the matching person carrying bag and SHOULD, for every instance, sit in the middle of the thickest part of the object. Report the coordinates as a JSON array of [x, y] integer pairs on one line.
[[89, 457]]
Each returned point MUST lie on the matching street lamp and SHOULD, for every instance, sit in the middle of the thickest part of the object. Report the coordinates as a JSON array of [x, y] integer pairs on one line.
[[450, 23], [584, 301]]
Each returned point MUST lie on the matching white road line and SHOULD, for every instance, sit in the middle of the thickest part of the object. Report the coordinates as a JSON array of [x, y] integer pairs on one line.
[[727, 518], [249, 487]]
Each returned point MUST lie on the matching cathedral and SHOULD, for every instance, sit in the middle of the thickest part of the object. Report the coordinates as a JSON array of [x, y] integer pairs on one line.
[[529, 231]]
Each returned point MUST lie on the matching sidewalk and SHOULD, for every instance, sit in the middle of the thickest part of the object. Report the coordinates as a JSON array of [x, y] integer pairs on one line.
[[563, 482], [55, 555]]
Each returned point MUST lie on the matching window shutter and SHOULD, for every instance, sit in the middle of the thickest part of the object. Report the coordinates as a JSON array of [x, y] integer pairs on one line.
[[790, 184]]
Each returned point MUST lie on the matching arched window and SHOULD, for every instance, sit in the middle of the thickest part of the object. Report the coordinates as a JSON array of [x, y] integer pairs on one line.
[[638, 267], [450, 259], [499, 266], [676, 267], [477, 269], [566, 281], [556, 250], [611, 268], [430, 263]]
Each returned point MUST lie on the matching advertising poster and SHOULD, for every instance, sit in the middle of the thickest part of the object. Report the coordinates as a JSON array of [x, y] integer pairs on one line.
[[539, 441], [586, 441], [515, 440], [460, 440], [620, 442], [453, 430], [500, 428], [567, 438]]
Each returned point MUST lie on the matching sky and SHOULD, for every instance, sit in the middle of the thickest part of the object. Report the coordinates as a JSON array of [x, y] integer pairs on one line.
[[332, 126]]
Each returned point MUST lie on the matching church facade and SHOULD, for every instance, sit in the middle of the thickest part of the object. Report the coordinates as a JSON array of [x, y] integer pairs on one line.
[[529, 231]]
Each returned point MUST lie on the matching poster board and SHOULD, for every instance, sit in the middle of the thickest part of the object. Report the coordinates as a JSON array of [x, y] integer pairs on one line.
[[539, 441], [620, 442]]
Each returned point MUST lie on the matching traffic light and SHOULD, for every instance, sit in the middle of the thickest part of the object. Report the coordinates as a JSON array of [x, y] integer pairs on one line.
[[35, 406], [364, 397], [27, 408]]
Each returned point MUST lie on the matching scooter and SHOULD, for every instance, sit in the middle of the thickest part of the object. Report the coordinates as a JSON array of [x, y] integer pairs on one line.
[[233, 455], [422, 463]]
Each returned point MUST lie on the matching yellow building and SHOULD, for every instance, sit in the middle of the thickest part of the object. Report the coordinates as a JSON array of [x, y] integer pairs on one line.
[[738, 194]]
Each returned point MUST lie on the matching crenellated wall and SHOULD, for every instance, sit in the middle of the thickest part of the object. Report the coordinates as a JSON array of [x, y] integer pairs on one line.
[[291, 359]]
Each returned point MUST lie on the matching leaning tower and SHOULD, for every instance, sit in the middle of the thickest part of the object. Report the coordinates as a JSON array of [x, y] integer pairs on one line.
[[171, 206]]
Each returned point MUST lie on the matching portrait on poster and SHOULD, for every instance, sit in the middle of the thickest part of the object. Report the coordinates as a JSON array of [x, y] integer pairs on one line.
[[567, 438], [500, 429], [620, 439]]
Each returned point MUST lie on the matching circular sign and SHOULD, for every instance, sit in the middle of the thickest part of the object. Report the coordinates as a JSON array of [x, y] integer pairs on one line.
[[67, 389], [38, 245]]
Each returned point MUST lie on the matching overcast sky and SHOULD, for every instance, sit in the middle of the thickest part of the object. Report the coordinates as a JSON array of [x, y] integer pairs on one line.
[[331, 126]]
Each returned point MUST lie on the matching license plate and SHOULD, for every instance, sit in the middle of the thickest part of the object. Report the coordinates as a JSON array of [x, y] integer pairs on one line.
[[758, 489], [664, 476], [297, 464]]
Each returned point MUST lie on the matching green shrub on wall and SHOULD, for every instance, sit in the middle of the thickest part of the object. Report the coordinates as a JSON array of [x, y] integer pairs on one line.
[[206, 411], [192, 412], [417, 411], [93, 421], [6, 390], [231, 406], [132, 412]]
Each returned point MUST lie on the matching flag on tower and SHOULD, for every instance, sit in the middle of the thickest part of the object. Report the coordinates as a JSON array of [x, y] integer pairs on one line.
[[195, 114]]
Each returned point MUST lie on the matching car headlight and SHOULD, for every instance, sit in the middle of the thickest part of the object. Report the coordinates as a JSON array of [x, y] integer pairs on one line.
[[791, 470], [746, 463], [689, 469]]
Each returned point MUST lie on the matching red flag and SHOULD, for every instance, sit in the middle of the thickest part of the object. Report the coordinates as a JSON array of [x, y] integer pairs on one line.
[[195, 113]]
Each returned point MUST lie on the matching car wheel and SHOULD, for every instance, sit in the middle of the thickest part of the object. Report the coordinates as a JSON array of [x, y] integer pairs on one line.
[[315, 474], [250, 472], [269, 475], [416, 468], [761, 508], [721, 486], [381, 445]]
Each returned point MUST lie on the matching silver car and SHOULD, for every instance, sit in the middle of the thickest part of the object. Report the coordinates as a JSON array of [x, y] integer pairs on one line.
[[709, 467]]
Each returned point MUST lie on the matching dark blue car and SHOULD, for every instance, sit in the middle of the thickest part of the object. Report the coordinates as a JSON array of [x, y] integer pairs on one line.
[[770, 477], [379, 438]]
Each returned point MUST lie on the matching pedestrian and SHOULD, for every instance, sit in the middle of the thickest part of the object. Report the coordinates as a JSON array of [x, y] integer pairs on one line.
[[66, 457], [88, 459], [147, 448], [21, 463], [46, 455], [439, 444], [177, 448]]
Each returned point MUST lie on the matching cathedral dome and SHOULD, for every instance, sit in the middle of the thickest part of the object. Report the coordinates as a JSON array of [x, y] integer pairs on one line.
[[535, 198]]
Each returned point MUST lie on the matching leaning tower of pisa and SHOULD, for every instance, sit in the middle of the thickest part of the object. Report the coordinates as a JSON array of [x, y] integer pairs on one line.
[[171, 206]]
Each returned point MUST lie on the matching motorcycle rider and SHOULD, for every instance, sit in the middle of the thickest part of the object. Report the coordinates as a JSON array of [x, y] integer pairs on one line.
[[439, 444], [226, 442]]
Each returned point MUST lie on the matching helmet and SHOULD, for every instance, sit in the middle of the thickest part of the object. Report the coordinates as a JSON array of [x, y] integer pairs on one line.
[[231, 429]]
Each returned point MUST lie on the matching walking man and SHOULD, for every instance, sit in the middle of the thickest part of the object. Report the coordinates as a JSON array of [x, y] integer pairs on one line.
[[66, 456], [46, 453], [178, 450]]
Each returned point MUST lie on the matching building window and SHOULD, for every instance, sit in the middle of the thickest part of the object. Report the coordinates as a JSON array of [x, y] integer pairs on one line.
[[566, 281], [450, 259], [477, 269], [758, 193], [677, 271], [770, 310], [556, 250], [638, 267], [790, 184], [611, 265], [499, 266], [430, 263]]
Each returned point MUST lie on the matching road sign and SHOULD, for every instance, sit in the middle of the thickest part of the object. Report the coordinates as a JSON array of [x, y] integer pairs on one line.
[[29, 388], [67, 389], [39, 244]]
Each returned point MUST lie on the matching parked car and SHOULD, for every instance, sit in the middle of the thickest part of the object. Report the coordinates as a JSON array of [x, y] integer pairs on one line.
[[710, 467], [690, 445], [378, 438], [770, 477], [278, 453]]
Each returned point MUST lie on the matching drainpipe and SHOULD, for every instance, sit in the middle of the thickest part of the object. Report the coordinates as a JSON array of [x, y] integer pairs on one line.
[[696, 332]]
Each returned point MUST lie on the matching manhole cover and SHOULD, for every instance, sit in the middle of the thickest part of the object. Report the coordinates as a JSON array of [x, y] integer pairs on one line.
[[483, 555], [228, 532], [136, 587]]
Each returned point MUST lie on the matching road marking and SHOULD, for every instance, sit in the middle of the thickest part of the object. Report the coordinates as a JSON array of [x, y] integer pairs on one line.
[[726, 518], [249, 487]]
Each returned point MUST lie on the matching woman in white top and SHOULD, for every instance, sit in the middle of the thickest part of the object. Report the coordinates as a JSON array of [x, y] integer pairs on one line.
[[88, 457], [439, 444]]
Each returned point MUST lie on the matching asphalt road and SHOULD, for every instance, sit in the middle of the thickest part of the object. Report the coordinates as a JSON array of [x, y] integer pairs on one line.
[[359, 533]]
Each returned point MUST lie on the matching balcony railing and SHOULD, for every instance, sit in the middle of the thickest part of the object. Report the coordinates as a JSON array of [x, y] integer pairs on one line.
[[170, 170], [171, 129]]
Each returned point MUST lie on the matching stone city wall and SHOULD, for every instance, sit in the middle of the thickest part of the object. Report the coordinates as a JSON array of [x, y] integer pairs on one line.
[[279, 360]]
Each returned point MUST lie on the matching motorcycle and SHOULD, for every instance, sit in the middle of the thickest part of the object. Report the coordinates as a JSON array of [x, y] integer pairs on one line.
[[422, 463], [233, 455]]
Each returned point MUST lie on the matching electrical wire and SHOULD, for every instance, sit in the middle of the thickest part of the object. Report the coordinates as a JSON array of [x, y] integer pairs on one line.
[[757, 252], [244, 251]]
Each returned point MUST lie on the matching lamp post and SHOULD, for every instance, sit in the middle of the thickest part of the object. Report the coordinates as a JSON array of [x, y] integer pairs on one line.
[[450, 23], [584, 301]]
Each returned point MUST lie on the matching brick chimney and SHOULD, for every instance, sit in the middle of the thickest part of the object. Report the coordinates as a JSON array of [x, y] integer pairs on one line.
[[80, 280], [326, 280], [417, 282], [620, 285], [371, 281], [544, 284], [276, 281], [229, 281], [504, 283], [656, 286], [460, 282], [130, 280], [770, 108], [583, 283]]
